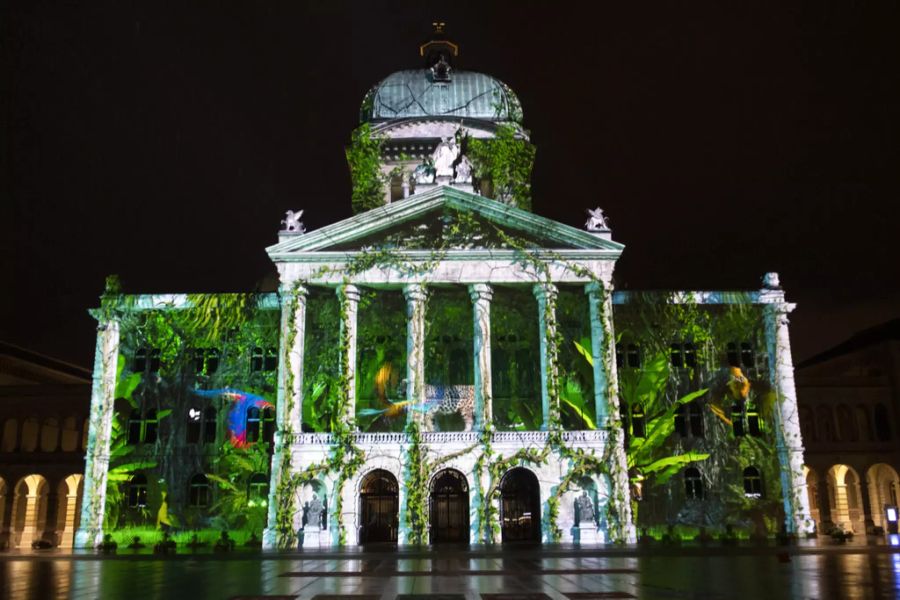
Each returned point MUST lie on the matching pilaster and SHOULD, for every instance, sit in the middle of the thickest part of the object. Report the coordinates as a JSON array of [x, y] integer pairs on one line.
[[349, 298], [96, 458], [789, 443], [546, 294], [415, 295], [481, 295], [606, 398], [289, 411]]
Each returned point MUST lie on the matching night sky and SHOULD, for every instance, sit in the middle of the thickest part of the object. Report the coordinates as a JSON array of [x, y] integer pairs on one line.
[[164, 143]]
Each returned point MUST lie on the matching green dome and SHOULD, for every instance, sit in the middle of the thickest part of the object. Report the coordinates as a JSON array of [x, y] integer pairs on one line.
[[415, 94]]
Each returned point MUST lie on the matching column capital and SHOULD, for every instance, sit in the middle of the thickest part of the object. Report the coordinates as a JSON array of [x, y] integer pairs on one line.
[[545, 291], [414, 292], [598, 287], [480, 291], [296, 289], [348, 291]]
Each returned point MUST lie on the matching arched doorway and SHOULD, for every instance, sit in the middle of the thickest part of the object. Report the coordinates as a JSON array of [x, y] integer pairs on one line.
[[378, 504], [812, 491], [844, 498], [883, 490], [520, 506], [29, 517], [449, 508]]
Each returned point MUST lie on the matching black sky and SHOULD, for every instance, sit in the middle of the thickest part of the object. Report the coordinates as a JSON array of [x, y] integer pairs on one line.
[[164, 142]]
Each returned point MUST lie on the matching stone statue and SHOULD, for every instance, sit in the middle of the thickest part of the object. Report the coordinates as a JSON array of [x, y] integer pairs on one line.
[[424, 174], [771, 282], [314, 511], [463, 170], [444, 156], [596, 221], [292, 223], [584, 509]]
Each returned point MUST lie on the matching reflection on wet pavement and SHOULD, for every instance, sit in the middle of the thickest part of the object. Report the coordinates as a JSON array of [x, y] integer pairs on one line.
[[857, 573]]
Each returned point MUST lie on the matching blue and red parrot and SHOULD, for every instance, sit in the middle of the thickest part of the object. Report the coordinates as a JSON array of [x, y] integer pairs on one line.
[[237, 415]]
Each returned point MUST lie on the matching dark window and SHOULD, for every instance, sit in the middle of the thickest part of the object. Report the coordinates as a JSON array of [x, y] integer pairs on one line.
[[135, 424], [137, 491], [252, 424], [268, 425], [638, 424], [271, 360], [139, 363], [258, 489], [681, 421], [154, 360], [256, 359], [683, 355], [151, 425], [460, 365], [752, 483], [741, 354], [693, 484], [695, 417], [737, 419], [209, 425], [194, 424], [882, 423], [754, 427], [212, 360], [199, 360], [633, 356], [689, 420], [199, 491]]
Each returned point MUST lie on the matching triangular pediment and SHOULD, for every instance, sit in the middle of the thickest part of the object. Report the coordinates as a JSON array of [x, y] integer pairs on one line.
[[448, 218]]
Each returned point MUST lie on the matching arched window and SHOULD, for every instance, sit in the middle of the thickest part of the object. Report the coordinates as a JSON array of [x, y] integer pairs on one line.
[[807, 424], [50, 435], [209, 425], [752, 483], [193, 425], [638, 423], [737, 419], [30, 430], [69, 441], [10, 435], [693, 484], [154, 360], [137, 491], [882, 423], [825, 419], [256, 359], [263, 359], [683, 355], [252, 424], [139, 360], [258, 490], [143, 430], [741, 355], [212, 360], [847, 424], [198, 496], [754, 425], [864, 419]]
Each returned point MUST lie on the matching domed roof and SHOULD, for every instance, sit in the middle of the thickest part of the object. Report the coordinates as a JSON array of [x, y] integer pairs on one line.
[[415, 93]]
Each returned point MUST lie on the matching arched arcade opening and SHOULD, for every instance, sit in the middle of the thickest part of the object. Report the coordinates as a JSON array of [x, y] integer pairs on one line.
[[449, 503], [520, 506]]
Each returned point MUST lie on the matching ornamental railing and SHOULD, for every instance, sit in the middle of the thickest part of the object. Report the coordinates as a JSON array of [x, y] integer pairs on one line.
[[450, 437]]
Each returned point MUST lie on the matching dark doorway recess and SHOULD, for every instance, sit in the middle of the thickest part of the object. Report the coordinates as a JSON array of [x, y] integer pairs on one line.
[[520, 506], [449, 508], [378, 504]]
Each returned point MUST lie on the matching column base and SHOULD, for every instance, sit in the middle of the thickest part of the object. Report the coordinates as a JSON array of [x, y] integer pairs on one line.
[[315, 538], [269, 539], [88, 538], [586, 534]]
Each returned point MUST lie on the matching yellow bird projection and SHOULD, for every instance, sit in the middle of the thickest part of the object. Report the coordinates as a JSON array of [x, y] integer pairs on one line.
[[738, 384]]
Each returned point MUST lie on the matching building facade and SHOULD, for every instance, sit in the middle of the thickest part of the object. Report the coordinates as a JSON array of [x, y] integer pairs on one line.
[[443, 366]]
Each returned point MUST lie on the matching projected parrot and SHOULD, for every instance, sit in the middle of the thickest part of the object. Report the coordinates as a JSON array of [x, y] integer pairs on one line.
[[237, 415], [738, 384]]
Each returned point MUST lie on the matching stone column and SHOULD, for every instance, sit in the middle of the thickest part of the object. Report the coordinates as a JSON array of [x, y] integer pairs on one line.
[[546, 297], [68, 519], [349, 297], [481, 295], [96, 458], [415, 295], [789, 442], [606, 399], [288, 415]]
